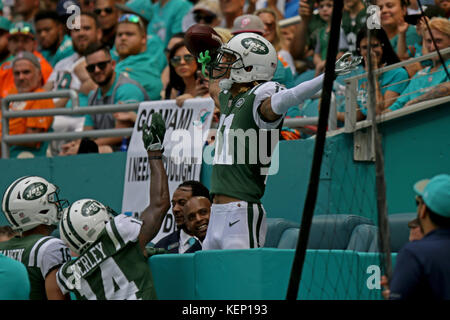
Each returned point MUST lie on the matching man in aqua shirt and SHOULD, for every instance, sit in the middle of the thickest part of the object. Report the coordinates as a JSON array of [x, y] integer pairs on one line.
[[155, 47], [134, 59], [55, 45], [167, 17], [420, 86]]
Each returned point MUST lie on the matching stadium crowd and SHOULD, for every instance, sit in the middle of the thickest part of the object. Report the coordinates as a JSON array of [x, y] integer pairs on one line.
[[148, 61]]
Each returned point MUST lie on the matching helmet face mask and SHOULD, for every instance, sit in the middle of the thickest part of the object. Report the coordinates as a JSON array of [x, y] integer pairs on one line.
[[82, 223], [31, 201]]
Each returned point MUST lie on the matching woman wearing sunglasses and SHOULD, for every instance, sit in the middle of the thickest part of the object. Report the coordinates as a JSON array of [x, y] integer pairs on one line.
[[185, 82]]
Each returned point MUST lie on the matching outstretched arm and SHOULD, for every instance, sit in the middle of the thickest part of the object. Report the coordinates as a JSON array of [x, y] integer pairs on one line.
[[153, 215]]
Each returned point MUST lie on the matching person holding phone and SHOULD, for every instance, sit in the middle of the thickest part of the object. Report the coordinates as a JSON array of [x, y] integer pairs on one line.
[[185, 82]]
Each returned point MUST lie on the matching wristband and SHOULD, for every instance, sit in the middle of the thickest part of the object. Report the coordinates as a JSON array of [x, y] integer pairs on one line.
[[155, 158]]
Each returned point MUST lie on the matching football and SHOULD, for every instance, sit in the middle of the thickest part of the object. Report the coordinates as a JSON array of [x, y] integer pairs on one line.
[[201, 37]]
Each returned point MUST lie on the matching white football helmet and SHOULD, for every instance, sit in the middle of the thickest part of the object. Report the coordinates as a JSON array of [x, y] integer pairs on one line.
[[82, 222], [30, 201], [252, 58]]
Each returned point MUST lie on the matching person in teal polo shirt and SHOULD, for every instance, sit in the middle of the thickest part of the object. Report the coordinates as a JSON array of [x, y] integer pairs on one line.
[[167, 18], [423, 86], [15, 284]]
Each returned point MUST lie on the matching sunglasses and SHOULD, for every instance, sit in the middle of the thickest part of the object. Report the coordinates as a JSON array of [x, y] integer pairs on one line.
[[176, 61], [198, 16], [107, 10], [25, 30], [101, 65]]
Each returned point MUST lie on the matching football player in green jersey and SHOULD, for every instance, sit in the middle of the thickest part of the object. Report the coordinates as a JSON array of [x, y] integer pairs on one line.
[[252, 110], [32, 207], [112, 262]]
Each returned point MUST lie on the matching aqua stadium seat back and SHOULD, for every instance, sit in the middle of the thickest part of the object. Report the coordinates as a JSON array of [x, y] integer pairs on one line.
[[275, 229], [288, 239], [364, 238], [398, 229]]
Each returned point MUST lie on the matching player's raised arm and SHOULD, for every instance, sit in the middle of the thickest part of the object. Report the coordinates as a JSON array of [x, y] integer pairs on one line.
[[278, 104], [153, 215]]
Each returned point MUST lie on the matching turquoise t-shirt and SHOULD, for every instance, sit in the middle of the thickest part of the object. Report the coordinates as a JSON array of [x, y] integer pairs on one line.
[[167, 21], [392, 80], [283, 75], [412, 38], [15, 284], [125, 93], [141, 68], [155, 50], [419, 85], [64, 50]]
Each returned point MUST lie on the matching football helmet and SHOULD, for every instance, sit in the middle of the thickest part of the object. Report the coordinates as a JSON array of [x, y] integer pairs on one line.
[[30, 201], [248, 56], [82, 222]]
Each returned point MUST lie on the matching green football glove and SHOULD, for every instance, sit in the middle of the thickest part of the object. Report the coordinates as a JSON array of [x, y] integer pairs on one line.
[[153, 136]]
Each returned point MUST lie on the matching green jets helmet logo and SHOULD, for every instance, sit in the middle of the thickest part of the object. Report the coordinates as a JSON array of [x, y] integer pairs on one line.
[[90, 208], [34, 191], [255, 45]]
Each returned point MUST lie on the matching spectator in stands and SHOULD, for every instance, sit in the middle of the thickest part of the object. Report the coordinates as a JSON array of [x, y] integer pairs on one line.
[[155, 47], [231, 9], [4, 34], [54, 44], [392, 14], [35, 218], [306, 35], [14, 280], [167, 18], [206, 12], [179, 37], [272, 33], [252, 23], [353, 19], [185, 80], [108, 16], [71, 73], [27, 79], [320, 51], [422, 270], [6, 233], [196, 211], [178, 241], [388, 85], [415, 231], [25, 10], [21, 38], [423, 86], [134, 58], [50, 5], [113, 88]]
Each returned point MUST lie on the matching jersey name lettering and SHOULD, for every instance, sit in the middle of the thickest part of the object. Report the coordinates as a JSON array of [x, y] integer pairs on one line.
[[90, 259], [15, 254]]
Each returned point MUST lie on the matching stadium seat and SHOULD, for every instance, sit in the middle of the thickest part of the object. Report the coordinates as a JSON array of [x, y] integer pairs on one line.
[[398, 229], [334, 231], [275, 229], [364, 238], [289, 239]]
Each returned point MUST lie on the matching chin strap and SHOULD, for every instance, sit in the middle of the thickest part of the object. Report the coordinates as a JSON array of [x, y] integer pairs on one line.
[[204, 59]]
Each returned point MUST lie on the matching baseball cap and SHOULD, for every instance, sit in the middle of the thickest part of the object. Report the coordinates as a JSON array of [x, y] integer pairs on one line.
[[248, 23], [25, 55], [142, 8], [435, 193], [208, 5], [22, 28], [5, 24]]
